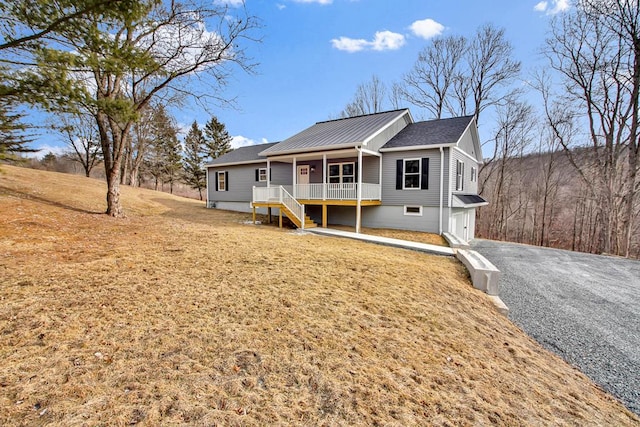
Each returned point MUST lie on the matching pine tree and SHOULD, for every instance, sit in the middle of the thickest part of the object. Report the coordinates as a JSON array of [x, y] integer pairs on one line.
[[12, 138], [164, 159], [193, 162], [217, 139]]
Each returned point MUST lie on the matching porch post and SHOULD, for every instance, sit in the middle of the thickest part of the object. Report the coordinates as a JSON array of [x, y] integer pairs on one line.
[[268, 173], [380, 179], [359, 189], [293, 180], [324, 177]]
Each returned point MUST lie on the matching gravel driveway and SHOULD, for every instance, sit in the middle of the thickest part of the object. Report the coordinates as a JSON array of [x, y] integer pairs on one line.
[[585, 308]]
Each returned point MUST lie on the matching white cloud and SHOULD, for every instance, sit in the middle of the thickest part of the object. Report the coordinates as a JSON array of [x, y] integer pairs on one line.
[[280, 6], [553, 7], [314, 1], [44, 149], [386, 40], [232, 3], [541, 7], [242, 141], [383, 40], [427, 28]]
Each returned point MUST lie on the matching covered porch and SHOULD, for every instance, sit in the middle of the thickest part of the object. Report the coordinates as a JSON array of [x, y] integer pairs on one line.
[[345, 177]]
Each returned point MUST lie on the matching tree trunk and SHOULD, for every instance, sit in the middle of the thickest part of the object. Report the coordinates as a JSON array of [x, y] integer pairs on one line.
[[114, 208]]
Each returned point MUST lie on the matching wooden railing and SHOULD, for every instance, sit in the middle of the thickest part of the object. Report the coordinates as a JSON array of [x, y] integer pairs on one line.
[[280, 195]]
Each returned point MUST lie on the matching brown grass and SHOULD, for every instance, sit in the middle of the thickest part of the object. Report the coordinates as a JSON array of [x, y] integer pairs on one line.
[[179, 315], [414, 236]]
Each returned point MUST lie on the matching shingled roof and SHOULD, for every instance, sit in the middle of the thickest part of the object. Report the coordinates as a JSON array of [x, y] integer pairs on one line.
[[246, 154], [432, 132], [348, 132]]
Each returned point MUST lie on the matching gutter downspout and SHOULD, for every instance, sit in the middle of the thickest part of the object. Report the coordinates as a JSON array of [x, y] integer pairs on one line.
[[441, 187]]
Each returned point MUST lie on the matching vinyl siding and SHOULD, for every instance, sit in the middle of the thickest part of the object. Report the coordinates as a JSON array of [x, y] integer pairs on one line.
[[281, 173], [468, 187], [387, 134], [466, 144], [389, 217], [393, 197], [242, 179]]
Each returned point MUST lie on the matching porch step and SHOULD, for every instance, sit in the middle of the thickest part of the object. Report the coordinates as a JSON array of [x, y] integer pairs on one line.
[[309, 223]]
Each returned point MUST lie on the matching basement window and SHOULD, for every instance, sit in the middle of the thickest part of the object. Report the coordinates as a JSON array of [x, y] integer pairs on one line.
[[413, 210]]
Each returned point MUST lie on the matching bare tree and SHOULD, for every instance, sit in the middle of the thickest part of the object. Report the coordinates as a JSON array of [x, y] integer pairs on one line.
[[368, 99], [429, 82], [81, 136], [462, 76], [597, 54]]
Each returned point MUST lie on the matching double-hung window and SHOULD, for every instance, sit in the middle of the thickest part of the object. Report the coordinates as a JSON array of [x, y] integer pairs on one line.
[[411, 174], [474, 174], [459, 175], [222, 181], [342, 173], [262, 175]]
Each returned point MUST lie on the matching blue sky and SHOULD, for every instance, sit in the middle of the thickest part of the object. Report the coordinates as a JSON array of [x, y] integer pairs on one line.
[[310, 65]]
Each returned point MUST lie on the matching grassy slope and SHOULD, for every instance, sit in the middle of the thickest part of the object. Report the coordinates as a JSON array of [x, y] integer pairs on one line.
[[209, 320]]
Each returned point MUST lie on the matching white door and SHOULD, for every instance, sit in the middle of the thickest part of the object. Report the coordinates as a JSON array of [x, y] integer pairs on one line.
[[303, 182], [458, 227]]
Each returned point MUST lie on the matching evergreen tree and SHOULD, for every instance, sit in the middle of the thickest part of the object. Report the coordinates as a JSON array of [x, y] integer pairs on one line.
[[217, 139], [163, 160], [12, 138], [193, 162]]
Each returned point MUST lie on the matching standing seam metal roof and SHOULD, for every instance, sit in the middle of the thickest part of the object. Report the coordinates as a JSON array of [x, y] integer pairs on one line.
[[352, 130]]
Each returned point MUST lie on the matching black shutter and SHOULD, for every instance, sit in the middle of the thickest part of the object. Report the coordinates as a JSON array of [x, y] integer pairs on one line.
[[269, 177], [399, 174], [257, 175], [215, 175], [226, 181], [424, 181]]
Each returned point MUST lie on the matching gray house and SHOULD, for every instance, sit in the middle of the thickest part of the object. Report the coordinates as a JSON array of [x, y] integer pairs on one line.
[[379, 170]]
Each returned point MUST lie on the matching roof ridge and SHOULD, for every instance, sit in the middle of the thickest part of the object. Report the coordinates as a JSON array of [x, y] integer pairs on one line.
[[445, 118], [362, 115]]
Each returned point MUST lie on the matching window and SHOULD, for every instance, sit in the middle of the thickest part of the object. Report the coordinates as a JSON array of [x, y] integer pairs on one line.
[[342, 173], [413, 210], [459, 175], [262, 174], [474, 174], [412, 174], [221, 182]]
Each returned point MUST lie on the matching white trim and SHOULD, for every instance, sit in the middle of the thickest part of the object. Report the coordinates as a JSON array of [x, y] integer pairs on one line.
[[266, 175], [370, 152], [419, 173], [247, 162], [226, 184], [415, 147], [310, 149], [461, 188], [465, 154], [419, 213], [315, 154], [441, 196], [385, 127], [206, 176], [340, 175]]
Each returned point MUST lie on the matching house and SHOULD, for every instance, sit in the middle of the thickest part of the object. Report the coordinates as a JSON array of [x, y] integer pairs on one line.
[[379, 170]]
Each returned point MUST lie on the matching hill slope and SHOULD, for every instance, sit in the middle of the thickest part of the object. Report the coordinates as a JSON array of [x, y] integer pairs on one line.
[[183, 315]]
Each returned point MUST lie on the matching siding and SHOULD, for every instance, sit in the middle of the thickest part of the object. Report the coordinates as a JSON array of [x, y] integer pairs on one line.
[[242, 178], [389, 217], [468, 187], [393, 197], [387, 134], [281, 173], [370, 173], [466, 144]]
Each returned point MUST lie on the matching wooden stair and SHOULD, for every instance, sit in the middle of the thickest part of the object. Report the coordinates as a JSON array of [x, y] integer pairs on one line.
[[308, 222]]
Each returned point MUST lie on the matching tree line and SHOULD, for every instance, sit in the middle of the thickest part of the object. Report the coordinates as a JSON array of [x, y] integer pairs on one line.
[[561, 170]]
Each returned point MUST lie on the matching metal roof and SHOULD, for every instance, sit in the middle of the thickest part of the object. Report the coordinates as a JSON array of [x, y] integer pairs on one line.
[[468, 201], [432, 132], [242, 155], [333, 134]]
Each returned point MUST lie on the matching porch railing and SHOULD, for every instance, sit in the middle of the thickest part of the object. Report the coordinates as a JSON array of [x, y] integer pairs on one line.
[[280, 195], [337, 191]]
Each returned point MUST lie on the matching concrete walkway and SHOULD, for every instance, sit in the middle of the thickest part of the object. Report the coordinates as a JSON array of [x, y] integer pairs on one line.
[[405, 244]]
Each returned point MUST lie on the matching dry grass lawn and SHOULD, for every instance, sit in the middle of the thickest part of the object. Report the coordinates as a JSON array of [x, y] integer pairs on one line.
[[179, 315]]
